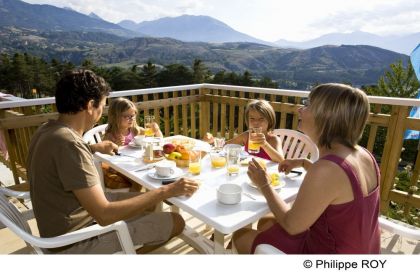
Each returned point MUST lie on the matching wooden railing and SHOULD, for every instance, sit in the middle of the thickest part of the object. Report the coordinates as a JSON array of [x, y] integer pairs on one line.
[[194, 110]]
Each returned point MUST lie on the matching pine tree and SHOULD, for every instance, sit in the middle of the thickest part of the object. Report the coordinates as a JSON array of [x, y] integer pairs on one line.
[[397, 82], [148, 74], [200, 72]]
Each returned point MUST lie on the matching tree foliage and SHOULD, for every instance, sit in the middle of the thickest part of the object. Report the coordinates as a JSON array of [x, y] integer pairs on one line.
[[397, 82]]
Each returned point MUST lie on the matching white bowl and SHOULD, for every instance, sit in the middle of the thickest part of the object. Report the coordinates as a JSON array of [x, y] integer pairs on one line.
[[229, 193], [138, 140]]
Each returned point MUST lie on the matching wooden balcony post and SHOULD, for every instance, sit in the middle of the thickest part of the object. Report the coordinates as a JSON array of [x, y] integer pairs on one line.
[[204, 107], [392, 152]]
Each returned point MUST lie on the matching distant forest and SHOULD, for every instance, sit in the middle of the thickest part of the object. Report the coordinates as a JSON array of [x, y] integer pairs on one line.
[[29, 77]]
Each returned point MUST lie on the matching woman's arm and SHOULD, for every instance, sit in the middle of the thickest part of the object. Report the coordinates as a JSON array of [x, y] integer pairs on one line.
[[318, 190], [288, 164]]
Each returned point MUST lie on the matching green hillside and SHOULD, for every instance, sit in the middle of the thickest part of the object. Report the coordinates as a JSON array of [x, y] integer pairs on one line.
[[359, 65]]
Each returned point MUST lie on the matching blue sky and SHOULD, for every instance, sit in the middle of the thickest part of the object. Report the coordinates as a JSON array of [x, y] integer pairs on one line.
[[269, 20]]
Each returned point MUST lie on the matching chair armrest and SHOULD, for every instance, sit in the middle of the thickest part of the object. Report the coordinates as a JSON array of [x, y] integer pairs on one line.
[[17, 194], [399, 228], [85, 233], [267, 249]]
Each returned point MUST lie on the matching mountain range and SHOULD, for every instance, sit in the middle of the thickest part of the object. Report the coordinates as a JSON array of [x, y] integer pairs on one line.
[[50, 32], [403, 44], [16, 13], [191, 29], [187, 28], [358, 65]]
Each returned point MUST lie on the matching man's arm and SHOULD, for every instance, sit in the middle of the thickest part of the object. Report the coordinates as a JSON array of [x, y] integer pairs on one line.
[[105, 212], [104, 147]]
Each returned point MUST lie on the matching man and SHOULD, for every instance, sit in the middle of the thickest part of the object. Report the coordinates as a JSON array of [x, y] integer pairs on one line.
[[65, 186]]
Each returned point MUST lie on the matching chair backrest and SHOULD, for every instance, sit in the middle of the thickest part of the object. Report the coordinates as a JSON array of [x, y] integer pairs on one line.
[[95, 135], [297, 145]]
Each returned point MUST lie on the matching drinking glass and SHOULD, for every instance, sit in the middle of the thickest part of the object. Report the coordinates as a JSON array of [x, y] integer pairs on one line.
[[217, 161], [254, 148], [219, 142], [232, 159], [148, 120], [194, 165]]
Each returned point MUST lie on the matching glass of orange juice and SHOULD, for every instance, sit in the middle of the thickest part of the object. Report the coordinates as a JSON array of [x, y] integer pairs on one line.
[[148, 120], [232, 160], [194, 165], [253, 147], [217, 161]]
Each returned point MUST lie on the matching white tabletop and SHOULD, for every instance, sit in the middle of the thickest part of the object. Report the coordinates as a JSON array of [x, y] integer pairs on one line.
[[203, 204]]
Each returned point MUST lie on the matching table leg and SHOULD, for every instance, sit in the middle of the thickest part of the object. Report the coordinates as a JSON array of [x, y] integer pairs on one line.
[[219, 243]]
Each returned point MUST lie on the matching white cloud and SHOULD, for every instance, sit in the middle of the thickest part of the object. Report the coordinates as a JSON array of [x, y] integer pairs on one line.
[[268, 19]]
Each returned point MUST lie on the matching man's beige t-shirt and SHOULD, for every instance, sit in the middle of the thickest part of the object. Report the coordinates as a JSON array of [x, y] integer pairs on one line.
[[59, 161]]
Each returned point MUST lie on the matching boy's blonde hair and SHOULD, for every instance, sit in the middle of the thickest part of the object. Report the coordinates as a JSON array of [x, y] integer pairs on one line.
[[116, 109], [265, 109], [340, 113]]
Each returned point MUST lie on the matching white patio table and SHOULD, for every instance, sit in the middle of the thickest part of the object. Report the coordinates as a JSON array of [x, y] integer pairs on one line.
[[225, 219]]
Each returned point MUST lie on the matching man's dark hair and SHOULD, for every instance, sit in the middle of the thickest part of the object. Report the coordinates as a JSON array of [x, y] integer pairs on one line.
[[76, 88]]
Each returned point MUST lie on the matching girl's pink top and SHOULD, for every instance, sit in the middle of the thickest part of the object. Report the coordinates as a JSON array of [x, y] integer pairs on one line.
[[128, 138]]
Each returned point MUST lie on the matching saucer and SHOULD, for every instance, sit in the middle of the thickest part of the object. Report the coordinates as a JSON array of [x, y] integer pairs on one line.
[[134, 145], [178, 173]]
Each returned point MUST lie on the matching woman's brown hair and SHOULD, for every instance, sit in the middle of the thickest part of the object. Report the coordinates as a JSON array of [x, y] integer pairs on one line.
[[340, 112]]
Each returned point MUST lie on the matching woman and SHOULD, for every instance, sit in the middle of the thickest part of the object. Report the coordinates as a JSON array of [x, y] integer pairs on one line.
[[337, 206]]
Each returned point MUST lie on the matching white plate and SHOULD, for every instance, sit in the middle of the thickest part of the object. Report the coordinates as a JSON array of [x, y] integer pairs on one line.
[[282, 184], [178, 173], [134, 145]]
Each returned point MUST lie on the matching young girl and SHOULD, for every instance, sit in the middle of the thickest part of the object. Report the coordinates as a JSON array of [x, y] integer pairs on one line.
[[122, 128], [259, 113], [122, 125]]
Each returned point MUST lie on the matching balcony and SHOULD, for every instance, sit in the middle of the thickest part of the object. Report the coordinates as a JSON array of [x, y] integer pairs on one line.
[[193, 110]]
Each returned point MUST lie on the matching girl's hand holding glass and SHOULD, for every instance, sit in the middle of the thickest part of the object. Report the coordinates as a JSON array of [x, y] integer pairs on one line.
[[255, 140]]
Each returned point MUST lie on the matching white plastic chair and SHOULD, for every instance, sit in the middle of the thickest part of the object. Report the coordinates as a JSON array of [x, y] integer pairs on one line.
[[400, 228], [94, 136], [15, 221], [267, 249], [296, 144]]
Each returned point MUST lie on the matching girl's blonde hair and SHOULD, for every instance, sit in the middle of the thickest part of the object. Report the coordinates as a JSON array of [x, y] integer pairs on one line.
[[115, 112], [265, 109], [340, 112]]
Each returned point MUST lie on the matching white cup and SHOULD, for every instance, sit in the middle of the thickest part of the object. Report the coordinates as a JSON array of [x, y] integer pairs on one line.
[[165, 168], [229, 193], [138, 140]]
